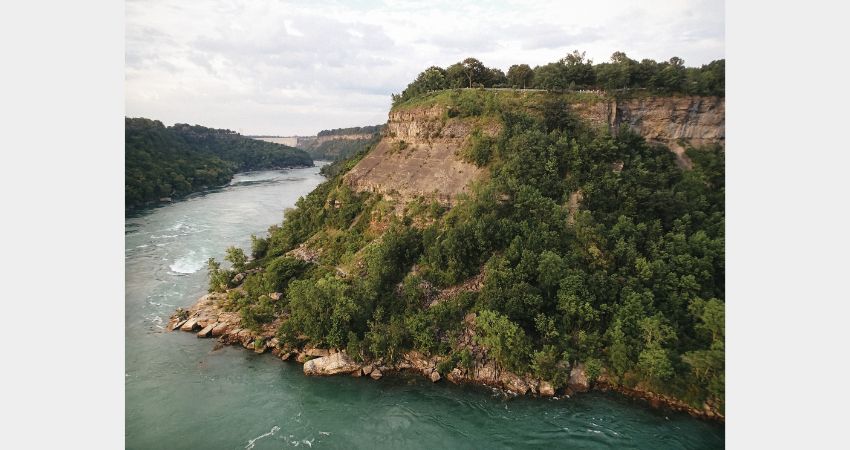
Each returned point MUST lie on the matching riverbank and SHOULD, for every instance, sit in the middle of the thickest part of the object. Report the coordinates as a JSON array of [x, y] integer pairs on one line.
[[131, 209], [207, 319]]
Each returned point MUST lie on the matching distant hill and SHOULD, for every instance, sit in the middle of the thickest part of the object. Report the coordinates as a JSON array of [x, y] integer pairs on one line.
[[170, 162], [340, 143]]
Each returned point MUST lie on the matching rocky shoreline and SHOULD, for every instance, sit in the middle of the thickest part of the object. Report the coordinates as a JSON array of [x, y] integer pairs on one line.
[[208, 320]]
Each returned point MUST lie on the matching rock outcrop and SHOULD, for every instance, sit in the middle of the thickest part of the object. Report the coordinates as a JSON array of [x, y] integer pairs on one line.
[[546, 389], [331, 365], [418, 157], [418, 154], [579, 381]]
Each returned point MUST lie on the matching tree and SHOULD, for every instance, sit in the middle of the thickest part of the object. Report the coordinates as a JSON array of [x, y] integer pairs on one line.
[[495, 77], [236, 257], [520, 75], [654, 362], [505, 340], [218, 277], [474, 70], [550, 270], [577, 69], [432, 79], [324, 310], [547, 364], [456, 76]]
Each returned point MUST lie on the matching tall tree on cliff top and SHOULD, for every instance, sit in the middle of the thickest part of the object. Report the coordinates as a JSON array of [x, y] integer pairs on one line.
[[520, 75], [475, 70]]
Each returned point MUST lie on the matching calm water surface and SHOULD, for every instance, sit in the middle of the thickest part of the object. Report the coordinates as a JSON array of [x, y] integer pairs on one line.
[[180, 394]]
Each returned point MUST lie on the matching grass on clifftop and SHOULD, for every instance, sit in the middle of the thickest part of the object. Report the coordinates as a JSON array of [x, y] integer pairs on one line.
[[477, 102]]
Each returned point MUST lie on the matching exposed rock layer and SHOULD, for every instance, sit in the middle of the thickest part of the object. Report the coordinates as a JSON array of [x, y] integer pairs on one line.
[[418, 155]]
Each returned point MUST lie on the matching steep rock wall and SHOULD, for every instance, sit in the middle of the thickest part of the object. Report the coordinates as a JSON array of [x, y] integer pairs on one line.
[[418, 156], [418, 153], [697, 120]]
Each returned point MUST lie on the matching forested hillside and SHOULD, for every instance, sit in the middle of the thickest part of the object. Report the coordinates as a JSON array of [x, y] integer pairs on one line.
[[174, 161], [579, 248]]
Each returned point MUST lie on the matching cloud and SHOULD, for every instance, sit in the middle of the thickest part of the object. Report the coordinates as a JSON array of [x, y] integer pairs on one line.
[[290, 67]]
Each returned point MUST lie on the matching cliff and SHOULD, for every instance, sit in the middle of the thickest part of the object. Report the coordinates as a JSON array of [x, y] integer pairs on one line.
[[418, 154], [339, 144]]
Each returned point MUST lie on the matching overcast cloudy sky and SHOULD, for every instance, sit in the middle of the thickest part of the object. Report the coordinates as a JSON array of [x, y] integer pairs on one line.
[[297, 67]]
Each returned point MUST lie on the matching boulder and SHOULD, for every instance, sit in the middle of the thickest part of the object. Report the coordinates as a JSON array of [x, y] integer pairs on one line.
[[578, 379], [486, 372], [190, 324], [317, 352], [376, 374], [286, 355], [330, 365], [219, 329], [178, 324], [275, 296], [514, 383], [206, 331], [418, 361], [455, 376], [368, 369], [238, 278], [435, 376], [546, 389]]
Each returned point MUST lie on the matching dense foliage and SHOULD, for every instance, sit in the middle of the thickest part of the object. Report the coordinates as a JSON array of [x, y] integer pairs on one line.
[[174, 161], [369, 129], [574, 71], [594, 248]]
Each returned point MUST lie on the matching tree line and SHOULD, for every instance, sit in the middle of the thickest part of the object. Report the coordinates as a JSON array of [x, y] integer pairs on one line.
[[575, 71], [369, 129], [174, 161]]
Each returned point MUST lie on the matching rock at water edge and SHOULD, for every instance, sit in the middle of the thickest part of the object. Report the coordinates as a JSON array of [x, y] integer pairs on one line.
[[331, 365], [578, 379], [207, 330], [546, 389], [190, 324]]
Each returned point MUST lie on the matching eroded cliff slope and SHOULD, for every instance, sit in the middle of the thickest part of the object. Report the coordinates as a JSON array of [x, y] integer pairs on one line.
[[418, 155], [420, 151]]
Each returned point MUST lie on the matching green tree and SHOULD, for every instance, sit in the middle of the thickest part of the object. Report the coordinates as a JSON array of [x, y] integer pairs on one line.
[[474, 70], [236, 257], [219, 277], [505, 341], [520, 75], [550, 270]]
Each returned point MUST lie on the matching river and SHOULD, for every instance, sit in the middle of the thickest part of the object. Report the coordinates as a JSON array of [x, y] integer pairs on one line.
[[180, 393]]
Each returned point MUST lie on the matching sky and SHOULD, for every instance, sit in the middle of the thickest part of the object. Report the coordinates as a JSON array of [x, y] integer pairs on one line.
[[297, 67]]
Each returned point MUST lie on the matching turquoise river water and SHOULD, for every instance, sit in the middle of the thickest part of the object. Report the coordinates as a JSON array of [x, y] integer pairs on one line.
[[182, 394]]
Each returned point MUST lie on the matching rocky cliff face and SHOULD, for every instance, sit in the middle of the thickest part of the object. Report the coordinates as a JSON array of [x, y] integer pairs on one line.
[[696, 120], [418, 155]]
